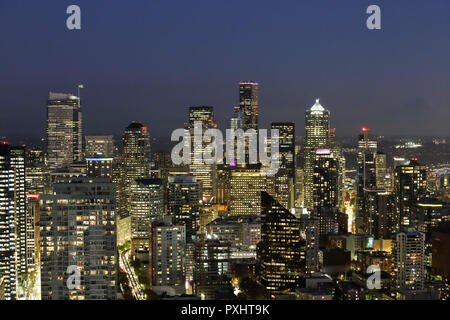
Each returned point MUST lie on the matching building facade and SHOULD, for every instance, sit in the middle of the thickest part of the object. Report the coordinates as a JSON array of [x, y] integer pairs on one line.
[[64, 130], [78, 232], [317, 136]]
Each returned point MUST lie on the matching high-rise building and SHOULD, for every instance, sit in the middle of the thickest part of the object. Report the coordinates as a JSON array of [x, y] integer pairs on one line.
[[311, 227], [183, 202], [205, 173], [64, 130], [280, 253], [410, 186], [325, 180], [236, 122], [366, 179], [134, 164], [246, 185], [33, 248], [381, 170], [428, 214], [317, 136], [223, 184], [212, 269], [13, 262], [373, 191], [78, 232], [37, 174], [337, 151], [379, 212], [285, 177], [146, 206], [409, 265], [167, 256], [244, 232], [99, 144], [248, 102]]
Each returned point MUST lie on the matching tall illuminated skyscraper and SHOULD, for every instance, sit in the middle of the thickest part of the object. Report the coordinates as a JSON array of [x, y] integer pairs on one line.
[[212, 268], [183, 202], [317, 136], [134, 163], [166, 256], [79, 230], [246, 185], [204, 173], [280, 256], [147, 205], [13, 262], [380, 164], [409, 264], [366, 179], [37, 174], [410, 187], [285, 177], [64, 130], [248, 101], [311, 227], [326, 177]]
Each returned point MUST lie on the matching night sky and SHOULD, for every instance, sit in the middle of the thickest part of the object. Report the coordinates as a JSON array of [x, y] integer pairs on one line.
[[148, 60]]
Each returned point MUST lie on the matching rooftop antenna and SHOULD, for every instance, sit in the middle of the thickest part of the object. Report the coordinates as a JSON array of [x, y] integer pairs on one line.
[[80, 86]]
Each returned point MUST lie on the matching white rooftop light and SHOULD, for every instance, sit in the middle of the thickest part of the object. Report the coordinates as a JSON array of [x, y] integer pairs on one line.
[[317, 106]]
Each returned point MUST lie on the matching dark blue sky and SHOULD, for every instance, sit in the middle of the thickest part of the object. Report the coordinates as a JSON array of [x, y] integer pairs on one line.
[[148, 60]]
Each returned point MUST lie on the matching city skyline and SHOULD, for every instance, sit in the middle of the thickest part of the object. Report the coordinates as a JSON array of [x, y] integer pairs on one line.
[[229, 151]]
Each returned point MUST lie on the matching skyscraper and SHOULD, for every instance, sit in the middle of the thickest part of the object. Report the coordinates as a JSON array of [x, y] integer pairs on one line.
[[237, 120], [380, 164], [37, 174], [409, 264], [79, 237], [410, 186], [280, 256], [311, 226], [379, 213], [285, 177], [64, 130], [204, 173], [212, 270], [167, 256], [317, 136], [146, 206], [134, 164], [183, 202], [248, 102], [13, 262], [325, 180], [366, 179], [246, 185]]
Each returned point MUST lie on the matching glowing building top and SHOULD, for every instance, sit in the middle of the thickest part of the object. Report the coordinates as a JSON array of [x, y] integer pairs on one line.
[[317, 107]]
